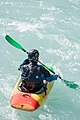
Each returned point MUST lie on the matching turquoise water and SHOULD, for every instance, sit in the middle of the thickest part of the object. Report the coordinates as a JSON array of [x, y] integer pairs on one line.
[[52, 27]]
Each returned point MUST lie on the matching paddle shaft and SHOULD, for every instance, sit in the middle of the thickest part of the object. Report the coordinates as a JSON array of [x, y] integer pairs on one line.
[[17, 45]]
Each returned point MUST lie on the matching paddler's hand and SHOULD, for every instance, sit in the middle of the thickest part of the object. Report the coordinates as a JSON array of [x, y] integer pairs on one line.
[[19, 68], [58, 75]]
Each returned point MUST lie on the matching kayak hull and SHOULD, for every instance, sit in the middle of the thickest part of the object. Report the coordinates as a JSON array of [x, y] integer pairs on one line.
[[24, 102], [28, 101]]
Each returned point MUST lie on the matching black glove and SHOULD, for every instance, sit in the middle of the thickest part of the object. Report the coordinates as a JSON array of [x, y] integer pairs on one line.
[[19, 68]]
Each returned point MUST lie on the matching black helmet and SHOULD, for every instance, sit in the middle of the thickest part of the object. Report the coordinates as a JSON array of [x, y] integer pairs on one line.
[[33, 55]]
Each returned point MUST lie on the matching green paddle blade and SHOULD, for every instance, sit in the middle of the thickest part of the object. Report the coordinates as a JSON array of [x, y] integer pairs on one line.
[[71, 84], [14, 43]]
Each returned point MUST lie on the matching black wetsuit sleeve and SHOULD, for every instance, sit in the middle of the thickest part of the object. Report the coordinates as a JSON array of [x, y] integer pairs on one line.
[[25, 62], [45, 72]]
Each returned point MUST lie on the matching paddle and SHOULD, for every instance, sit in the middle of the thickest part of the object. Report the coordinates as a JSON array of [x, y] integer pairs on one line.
[[14, 43], [70, 84]]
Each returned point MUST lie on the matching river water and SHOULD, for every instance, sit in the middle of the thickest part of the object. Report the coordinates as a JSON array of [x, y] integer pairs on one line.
[[52, 27]]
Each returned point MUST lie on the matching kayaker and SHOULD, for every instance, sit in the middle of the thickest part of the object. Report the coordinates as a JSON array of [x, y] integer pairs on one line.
[[33, 75]]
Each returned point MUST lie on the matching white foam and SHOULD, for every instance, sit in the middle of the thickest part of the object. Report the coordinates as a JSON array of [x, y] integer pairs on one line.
[[67, 50], [8, 113], [45, 116], [77, 2]]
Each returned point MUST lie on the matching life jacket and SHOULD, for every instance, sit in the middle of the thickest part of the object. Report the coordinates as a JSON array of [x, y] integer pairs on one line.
[[33, 75]]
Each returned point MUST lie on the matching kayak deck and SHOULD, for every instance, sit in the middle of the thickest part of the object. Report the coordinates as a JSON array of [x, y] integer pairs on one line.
[[28, 101]]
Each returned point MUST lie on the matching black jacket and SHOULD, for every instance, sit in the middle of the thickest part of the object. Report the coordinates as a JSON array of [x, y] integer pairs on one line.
[[33, 75], [33, 68]]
